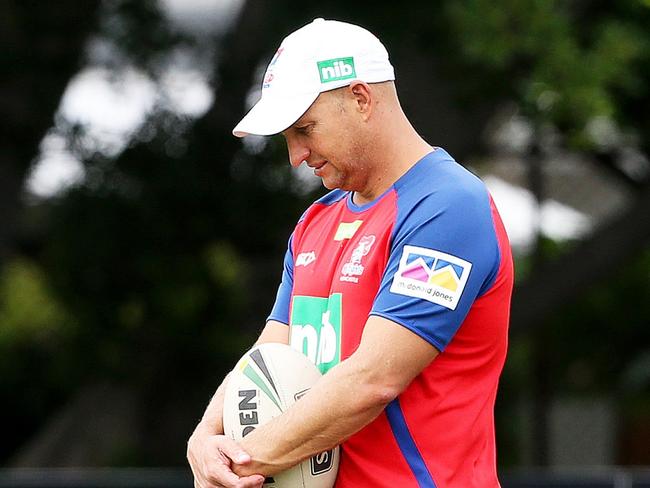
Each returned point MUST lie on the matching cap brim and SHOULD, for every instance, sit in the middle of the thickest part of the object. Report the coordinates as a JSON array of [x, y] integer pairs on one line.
[[273, 114]]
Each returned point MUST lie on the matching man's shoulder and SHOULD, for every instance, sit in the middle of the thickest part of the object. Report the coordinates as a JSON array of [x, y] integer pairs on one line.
[[438, 179]]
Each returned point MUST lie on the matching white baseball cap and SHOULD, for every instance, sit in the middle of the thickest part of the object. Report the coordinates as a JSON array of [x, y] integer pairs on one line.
[[321, 56]]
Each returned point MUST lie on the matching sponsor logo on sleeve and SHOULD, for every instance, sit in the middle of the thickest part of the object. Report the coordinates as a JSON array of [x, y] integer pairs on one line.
[[432, 275]]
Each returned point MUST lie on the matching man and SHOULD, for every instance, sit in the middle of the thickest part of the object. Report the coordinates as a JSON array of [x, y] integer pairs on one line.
[[396, 284]]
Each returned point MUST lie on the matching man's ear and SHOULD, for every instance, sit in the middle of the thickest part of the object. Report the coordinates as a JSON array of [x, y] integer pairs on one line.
[[363, 98]]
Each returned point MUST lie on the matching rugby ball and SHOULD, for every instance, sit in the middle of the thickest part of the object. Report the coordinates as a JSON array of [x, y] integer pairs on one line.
[[266, 381]]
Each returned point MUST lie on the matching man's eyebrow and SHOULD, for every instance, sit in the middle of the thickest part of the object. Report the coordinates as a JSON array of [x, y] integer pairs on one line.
[[301, 123]]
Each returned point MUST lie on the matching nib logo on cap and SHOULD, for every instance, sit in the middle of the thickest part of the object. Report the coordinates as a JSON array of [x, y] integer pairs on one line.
[[336, 69]]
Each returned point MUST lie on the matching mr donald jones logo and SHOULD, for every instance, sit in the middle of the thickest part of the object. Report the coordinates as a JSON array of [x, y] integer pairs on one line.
[[431, 275], [336, 69]]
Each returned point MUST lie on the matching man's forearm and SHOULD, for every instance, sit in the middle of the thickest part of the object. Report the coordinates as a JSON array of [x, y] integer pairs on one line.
[[212, 420], [343, 401], [344, 405]]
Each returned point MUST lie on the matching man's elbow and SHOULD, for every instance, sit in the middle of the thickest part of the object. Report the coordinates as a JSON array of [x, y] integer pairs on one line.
[[378, 390], [382, 395]]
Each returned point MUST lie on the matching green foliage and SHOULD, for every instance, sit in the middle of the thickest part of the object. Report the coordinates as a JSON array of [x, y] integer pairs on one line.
[[600, 340], [29, 312], [597, 346], [35, 327], [564, 62]]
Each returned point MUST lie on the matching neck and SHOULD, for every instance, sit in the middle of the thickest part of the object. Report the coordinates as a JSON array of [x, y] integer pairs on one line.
[[402, 147]]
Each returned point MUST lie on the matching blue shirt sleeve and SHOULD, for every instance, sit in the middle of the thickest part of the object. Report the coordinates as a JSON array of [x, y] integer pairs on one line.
[[280, 311], [444, 253]]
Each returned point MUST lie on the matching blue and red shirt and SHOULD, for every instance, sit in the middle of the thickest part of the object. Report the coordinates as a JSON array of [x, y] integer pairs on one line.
[[430, 254]]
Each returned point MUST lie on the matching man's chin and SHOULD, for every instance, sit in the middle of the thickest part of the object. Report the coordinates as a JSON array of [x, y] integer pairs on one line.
[[333, 181], [328, 184], [333, 185]]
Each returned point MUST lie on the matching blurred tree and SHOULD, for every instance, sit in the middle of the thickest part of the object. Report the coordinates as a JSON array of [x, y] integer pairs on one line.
[[41, 46]]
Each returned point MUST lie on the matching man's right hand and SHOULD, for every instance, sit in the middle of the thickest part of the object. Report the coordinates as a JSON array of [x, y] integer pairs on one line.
[[211, 456]]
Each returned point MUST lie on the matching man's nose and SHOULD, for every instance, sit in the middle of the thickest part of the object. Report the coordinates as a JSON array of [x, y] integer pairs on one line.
[[297, 153]]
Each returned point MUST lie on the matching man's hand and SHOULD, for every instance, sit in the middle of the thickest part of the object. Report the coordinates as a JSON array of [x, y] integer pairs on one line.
[[211, 458]]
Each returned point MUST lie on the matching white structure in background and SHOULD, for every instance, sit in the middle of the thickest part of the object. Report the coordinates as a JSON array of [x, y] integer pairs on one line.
[[112, 106], [111, 109], [201, 16], [55, 169], [521, 215]]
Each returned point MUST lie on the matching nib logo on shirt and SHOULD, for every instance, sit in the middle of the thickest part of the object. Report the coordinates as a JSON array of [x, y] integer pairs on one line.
[[315, 329], [431, 275]]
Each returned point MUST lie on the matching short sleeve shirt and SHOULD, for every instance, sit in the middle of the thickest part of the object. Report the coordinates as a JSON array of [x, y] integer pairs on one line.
[[430, 255]]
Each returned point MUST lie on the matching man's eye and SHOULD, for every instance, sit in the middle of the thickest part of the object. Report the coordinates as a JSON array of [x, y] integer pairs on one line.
[[305, 129]]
